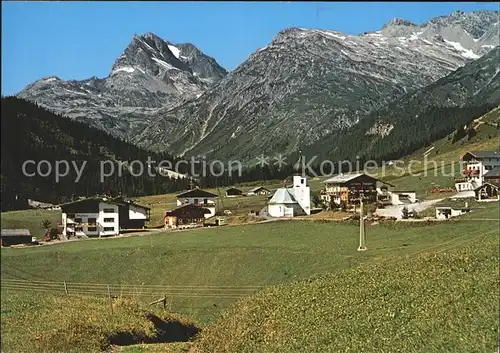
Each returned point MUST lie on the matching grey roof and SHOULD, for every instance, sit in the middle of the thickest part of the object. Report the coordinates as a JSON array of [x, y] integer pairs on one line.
[[485, 154], [283, 195], [484, 184], [494, 173], [342, 178], [197, 192], [258, 188], [15, 232]]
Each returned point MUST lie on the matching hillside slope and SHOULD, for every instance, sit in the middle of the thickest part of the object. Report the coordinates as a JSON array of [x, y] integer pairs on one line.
[[32, 133], [444, 302], [420, 117]]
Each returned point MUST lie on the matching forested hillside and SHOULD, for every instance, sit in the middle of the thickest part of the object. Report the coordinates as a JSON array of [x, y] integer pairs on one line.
[[30, 132]]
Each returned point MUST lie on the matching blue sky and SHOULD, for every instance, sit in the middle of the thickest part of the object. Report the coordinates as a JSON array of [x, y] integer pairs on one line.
[[77, 40]]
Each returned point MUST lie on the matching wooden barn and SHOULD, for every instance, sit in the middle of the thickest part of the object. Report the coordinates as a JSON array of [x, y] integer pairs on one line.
[[15, 237], [232, 192]]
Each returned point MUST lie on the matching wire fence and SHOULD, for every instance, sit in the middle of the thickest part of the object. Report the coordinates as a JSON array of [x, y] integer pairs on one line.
[[98, 289]]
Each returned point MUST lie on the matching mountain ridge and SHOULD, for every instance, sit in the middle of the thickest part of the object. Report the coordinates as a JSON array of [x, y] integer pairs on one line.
[[315, 81], [302, 86]]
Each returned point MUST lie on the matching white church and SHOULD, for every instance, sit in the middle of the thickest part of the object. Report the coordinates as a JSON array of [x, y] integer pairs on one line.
[[291, 202]]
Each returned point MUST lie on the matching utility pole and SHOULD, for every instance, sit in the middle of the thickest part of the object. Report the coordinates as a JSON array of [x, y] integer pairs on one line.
[[362, 238]]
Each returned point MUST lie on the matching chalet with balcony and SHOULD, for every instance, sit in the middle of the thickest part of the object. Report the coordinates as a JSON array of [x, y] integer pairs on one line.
[[200, 198], [475, 165], [188, 216], [99, 216], [351, 188]]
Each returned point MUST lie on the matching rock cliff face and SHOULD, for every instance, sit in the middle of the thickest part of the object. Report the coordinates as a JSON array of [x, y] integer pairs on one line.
[[303, 86], [420, 117], [151, 73], [307, 83]]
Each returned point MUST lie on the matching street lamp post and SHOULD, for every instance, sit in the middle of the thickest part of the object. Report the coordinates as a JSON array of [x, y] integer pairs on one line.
[[362, 238]]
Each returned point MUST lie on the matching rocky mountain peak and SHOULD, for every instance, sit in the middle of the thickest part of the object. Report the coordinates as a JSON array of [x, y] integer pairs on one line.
[[399, 22], [149, 53], [203, 66], [475, 23]]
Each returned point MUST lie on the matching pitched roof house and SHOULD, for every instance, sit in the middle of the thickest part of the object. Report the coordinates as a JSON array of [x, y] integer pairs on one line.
[[198, 197], [492, 176], [259, 190], [10, 237], [487, 192], [101, 216], [476, 164], [231, 192], [188, 216]]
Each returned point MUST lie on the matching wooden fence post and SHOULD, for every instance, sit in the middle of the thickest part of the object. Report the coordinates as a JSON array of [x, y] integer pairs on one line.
[[65, 288]]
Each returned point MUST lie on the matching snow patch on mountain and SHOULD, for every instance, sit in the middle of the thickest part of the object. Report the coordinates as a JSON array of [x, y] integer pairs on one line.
[[164, 64], [467, 53], [176, 51], [127, 69]]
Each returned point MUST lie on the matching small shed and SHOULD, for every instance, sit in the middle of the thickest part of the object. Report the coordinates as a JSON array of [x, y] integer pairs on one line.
[[449, 212], [189, 216], [259, 190], [403, 197], [487, 192], [232, 192], [15, 237]]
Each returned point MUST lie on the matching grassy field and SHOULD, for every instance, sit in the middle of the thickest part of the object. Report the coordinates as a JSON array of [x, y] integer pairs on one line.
[[203, 270], [30, 219], [47, 323], [270, 254], [239, 256], [439, 302]]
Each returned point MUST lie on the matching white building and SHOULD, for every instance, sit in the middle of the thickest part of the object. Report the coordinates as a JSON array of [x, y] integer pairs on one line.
[[475, 164], [449, 212], [101, 217], [291, 202], [199, 198], [403, 197]]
